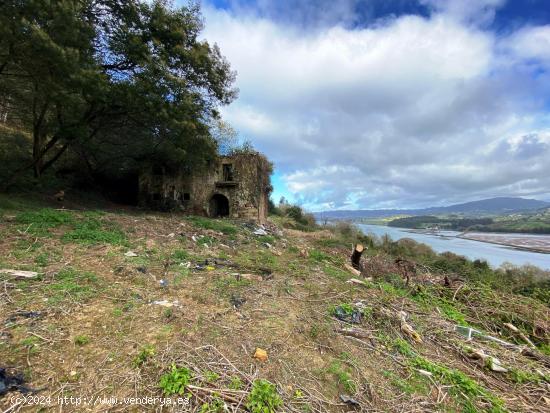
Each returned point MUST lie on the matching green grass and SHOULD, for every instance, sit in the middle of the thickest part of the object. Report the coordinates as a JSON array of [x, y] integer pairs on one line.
[[342, 375], [94, 231], [213, 224], [81, 340], [70, 284], [40, 222], [465, 389]]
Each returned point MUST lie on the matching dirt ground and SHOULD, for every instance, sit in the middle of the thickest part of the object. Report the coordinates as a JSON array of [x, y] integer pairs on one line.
[[108, 317]]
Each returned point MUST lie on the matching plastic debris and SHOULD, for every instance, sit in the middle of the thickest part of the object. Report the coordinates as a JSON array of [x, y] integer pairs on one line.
[[163, 283], [349, 400], [22, 314], [12, 382], [142, 270], [19, 274], [171, 235], [355, 281], [166, 303], [237, 301], [343, 314], [130, 254], [260, 354], [260, 231], [491, 362], [469, 333]]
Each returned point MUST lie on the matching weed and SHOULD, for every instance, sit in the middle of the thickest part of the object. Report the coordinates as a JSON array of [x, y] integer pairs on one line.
[[346, 308], [42, 260], [175, 381], [213, 224], [31, 343], [263, 397], [93, 231], [266, 238], [41, 221], [413, 384], [236, 383], [318, 256], [81, 340], [521, 377], [145, 354], [216, 405], [72, 284], [180, 256], [206, 240], [342, 375], [462, 386], [211, 376]]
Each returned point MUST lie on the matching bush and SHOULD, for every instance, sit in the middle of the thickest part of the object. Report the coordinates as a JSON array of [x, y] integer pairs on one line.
[[263, 397]]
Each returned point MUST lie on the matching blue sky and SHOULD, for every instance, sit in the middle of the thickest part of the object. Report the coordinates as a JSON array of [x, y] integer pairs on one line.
[[384, 104]]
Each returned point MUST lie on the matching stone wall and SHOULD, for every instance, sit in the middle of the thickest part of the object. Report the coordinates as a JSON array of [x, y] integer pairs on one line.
[[244, 181]]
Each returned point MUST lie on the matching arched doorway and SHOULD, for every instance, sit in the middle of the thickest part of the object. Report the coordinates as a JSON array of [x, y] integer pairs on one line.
[[219, 206]]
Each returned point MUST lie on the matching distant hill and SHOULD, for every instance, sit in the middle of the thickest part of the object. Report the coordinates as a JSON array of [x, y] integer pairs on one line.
[[499, 205]]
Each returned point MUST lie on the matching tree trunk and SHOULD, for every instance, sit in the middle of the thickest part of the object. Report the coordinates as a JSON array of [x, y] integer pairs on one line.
[[356, 256]]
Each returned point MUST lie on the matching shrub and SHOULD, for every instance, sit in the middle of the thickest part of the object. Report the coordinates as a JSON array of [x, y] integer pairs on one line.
[[263, 397], [175, 381]]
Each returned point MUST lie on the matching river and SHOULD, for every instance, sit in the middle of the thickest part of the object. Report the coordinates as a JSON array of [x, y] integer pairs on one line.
[[494, 254]]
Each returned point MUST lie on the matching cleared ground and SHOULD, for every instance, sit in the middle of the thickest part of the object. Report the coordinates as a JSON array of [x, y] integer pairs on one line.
[[129, 304]]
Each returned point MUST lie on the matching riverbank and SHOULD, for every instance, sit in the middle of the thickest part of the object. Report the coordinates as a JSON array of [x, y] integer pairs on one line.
[[495, 253], [526, 242]]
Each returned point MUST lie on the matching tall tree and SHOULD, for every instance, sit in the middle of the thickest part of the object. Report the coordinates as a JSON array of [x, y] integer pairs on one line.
[[111, 80]]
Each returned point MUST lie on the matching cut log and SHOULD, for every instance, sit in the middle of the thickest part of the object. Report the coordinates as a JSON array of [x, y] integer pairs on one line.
[[356, 256], [352, 270]]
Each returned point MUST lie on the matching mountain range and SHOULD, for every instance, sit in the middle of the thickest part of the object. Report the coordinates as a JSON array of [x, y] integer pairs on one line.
[[499, 205]]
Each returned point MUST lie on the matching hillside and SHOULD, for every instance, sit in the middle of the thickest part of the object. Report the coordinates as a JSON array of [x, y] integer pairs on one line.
[[500, 205], [138, 304]]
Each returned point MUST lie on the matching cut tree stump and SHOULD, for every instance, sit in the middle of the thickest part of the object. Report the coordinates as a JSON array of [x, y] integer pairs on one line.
[[356, 256]]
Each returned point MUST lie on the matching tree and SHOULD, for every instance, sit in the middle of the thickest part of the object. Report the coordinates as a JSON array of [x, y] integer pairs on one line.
[[117, 82]]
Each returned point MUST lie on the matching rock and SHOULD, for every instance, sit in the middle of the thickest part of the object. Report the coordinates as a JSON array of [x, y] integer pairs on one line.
[[260, 354]]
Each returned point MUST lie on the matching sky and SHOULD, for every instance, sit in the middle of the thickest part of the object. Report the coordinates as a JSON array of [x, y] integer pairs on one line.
[[368, 104]]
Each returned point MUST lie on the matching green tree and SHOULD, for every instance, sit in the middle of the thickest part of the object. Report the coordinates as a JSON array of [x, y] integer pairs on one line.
[[117, 83]]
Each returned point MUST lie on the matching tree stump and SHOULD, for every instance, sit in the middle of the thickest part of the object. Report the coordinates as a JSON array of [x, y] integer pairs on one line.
[[356, 256]]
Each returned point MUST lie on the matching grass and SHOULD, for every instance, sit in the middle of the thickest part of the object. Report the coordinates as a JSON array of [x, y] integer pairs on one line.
[[213, 224], [464, 388], [342, 375], [40, 222], [81, 340], [94, 231], [71, 284]]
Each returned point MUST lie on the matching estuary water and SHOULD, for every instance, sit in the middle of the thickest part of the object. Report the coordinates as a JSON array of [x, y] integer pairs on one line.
[[494, 254]]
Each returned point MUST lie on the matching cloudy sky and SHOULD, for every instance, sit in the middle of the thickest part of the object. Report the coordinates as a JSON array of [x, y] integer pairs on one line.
[[392, 103]]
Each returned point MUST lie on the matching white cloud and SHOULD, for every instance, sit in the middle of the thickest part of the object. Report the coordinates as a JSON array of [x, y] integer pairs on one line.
[[532, 43], [410, 112]]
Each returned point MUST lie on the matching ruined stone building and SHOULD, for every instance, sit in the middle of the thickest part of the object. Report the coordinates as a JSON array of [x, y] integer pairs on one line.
[[235, 186]]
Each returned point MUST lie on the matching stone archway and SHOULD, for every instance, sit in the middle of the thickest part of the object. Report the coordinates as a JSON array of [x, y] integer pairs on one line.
[[219, 206]]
